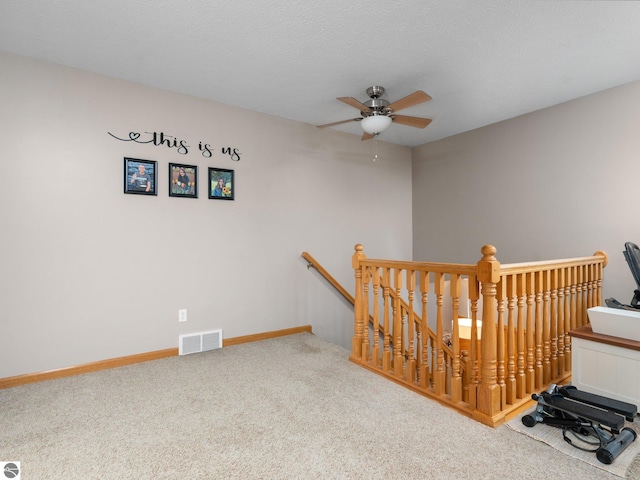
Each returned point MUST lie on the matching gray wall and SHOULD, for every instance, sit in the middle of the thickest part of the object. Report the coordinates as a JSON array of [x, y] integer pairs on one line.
[[557, 183], [89, 273]]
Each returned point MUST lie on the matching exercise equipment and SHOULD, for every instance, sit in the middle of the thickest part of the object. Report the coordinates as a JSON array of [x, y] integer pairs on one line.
[[632, 256], [589, 422]]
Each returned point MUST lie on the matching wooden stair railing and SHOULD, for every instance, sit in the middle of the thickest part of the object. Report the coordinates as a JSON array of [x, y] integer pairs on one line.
[[532, 307], [313, 263], [527, 311], [417, 321]]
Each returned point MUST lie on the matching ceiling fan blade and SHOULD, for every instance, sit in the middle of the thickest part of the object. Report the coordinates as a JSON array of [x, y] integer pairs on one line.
[[417, 122], [366, 136], [410, 100], [354, 103], [339, 123]]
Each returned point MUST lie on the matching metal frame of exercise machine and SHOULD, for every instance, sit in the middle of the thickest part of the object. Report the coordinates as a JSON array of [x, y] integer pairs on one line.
[[589, 422]]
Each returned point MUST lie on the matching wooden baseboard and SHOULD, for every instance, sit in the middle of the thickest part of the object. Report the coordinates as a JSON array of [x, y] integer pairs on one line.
[[227, 342], [8, 382]]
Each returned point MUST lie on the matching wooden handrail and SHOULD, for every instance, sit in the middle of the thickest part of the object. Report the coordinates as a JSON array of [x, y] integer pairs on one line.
[[314, 263], [527, 267], [457, 268]]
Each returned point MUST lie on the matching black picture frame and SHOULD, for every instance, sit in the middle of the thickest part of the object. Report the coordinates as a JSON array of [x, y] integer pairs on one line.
[[183, 180], [226, 189], [140, 176]]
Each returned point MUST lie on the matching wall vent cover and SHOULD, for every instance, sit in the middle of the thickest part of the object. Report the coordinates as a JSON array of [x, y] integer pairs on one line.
[[199, 342]]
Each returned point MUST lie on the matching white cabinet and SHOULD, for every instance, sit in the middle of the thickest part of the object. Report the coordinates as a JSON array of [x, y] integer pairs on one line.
[[605, 365]]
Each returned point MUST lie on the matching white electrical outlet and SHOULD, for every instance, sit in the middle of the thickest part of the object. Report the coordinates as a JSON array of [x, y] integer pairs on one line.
[[182, 315]]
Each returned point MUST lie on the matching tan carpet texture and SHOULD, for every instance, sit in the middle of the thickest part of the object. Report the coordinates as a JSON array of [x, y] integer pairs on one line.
[[293, 407]]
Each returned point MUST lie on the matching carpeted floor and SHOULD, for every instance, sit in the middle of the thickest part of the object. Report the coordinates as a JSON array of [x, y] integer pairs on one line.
[[293, 407]]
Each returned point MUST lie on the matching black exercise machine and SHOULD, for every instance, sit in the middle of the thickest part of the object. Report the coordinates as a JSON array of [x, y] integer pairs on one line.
[[597, 422], [632, 255]]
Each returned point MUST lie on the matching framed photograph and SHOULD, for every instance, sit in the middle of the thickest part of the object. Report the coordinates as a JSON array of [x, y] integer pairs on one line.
[[140, 176], [183, 180], [221, 184]]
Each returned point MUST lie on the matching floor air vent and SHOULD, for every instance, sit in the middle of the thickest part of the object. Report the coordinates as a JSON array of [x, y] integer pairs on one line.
[[199, 342]]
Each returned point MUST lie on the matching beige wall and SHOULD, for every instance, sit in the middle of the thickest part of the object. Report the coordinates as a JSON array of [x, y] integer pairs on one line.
[[557, 183], [90, 273]]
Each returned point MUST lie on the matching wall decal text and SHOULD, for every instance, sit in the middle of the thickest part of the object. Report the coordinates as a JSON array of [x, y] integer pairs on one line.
[[181, 146]]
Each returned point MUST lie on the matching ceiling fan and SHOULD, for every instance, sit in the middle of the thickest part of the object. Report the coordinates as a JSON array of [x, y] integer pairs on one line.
[[377, 113]]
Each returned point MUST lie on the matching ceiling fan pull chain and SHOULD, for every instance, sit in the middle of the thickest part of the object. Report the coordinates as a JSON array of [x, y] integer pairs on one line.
[[375, 148]]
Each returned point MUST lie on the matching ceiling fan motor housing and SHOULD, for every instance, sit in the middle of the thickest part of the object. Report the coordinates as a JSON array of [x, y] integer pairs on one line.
[[375, 91], [377, 105]]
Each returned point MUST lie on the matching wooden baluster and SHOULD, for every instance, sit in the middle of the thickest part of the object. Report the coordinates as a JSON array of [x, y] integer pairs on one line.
[[521, 378], [585, 295], [538, 330], [579, 298], [500, 348], [456, 379], [531, 380], [489, 275], [418, 353], [569, 313], [386, 353], [553, 330], [511, 363], [411, 361], [403, 333], [561, 321], [599, 284], [596, 278], [474, 294], [432, 362], [588, 296], [398, 357], [366, 278], [424, 292], [466, 376], [591, 285], [439, 376], [375, 354], [590, 272], [448, 370], [546, 327], [358, 334], [574, 299], [418, 341]]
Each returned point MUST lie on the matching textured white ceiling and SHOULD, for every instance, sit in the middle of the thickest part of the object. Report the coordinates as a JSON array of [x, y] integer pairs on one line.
[[481, 61]]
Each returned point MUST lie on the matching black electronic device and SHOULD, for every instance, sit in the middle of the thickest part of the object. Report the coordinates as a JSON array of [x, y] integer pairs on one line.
[[632, 256]]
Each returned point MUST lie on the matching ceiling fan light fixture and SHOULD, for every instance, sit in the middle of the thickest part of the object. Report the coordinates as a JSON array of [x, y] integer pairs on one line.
[[375, 124]]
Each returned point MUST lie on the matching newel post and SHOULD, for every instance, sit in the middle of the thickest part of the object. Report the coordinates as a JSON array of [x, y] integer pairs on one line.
[[358, 307], [488, 399]]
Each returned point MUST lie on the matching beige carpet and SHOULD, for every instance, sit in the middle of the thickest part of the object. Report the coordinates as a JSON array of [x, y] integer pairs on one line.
[[552, 436], [293, 407]]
